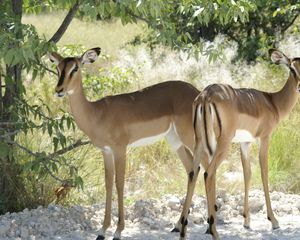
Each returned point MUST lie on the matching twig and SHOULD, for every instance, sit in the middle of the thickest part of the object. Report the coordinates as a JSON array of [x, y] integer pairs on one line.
[[52, 175], [9, 123], [8, 134], [50, 156], [69, 148], [47, 69]]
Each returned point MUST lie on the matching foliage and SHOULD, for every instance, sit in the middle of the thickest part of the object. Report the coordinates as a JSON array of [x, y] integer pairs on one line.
[[187, 25], [180, 24], [109, 82], [174, 23]]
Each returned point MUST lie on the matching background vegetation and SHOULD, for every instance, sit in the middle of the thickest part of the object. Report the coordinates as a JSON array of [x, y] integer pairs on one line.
[[143, 42]]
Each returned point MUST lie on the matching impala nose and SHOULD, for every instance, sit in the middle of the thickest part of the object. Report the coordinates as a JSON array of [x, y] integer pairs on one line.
[[59, 92]]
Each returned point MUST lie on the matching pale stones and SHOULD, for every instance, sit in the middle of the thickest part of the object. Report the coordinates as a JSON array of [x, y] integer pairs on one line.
[[174, 203]]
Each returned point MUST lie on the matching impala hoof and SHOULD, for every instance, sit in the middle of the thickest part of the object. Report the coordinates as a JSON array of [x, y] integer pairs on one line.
[[100, 237], [246, 226], [276, 227], [175, 229]]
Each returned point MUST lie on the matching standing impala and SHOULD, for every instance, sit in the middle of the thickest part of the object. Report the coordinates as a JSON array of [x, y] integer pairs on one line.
[[222, 115], [134, 119]]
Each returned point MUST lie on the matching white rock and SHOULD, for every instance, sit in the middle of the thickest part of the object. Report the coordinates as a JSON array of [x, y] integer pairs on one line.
[[148, 221], [255, 204], [24, 232], [4, 228], [173, 203]]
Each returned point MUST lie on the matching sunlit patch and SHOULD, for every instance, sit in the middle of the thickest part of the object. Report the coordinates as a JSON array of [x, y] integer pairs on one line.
[[70, 92], [243, 136]]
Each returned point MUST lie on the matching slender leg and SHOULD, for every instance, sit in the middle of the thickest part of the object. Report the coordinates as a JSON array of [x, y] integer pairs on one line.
[[247, 176], [109, 178], [120, 165], [210, 186], [186, 158], [263, 160], [199, 154], [210, 183]]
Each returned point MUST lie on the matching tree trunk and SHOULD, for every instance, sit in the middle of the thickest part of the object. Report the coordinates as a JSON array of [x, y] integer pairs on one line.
[[10, 184]]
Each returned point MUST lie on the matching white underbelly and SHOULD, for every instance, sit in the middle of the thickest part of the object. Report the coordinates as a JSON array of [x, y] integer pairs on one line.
[[242, 136], [171, 135], [148, 140]]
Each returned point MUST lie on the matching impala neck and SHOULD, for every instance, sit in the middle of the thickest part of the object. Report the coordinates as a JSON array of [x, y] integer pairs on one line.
[[81, 109], [286, 98]]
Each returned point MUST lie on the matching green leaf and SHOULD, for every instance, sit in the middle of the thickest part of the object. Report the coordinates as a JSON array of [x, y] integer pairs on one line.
[[55, 143], [34, 74], [4, 149], [49, 130]]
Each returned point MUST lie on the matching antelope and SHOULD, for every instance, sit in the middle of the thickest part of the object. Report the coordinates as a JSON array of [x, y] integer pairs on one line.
[[139, 118], [222, 115]]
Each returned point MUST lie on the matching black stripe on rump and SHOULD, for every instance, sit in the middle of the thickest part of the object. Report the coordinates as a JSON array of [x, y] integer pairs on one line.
[[205, 130], [218, 117], [195, 116]]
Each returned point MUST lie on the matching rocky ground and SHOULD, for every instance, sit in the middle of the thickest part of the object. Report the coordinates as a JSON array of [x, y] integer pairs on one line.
[[153, 219]]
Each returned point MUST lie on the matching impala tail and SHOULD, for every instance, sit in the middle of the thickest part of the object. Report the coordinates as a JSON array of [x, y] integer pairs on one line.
[[207, 125]]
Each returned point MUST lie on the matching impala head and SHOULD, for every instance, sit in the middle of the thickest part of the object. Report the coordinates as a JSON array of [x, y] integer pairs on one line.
[[293, 64], [69, 73]]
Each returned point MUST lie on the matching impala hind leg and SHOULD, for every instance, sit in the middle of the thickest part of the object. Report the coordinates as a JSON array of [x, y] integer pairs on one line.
[[247, 177], [186, 158], [263, 160], [210, 183], [199, 154], [120, 165], [109, 178]]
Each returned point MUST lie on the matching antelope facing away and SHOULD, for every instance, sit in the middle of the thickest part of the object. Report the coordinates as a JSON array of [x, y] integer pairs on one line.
[[134, 119], [222, 115]]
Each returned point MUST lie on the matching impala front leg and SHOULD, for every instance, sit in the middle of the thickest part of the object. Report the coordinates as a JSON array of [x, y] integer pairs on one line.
[[120, 164], [187, 159], [263, 160], [109, 178], [247, 177]]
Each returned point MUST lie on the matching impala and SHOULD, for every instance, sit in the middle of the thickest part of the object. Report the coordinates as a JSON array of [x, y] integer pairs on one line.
[[134, 119], [222, 115]]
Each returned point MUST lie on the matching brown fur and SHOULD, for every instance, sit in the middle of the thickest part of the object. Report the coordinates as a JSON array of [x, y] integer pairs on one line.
[[114, 122]]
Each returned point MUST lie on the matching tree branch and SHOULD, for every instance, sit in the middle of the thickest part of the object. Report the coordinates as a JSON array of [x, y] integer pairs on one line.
[[50, 156], [65, 24], [47, 69], [69, 148], [290, 23]]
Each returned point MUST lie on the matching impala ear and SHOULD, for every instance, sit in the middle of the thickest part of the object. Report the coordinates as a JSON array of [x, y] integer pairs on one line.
[[90, 56], [279, 57], [55, 58]]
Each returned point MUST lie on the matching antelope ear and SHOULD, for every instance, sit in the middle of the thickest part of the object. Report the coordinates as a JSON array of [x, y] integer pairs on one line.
[[90, 56], [279, 57], [55, 58]]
